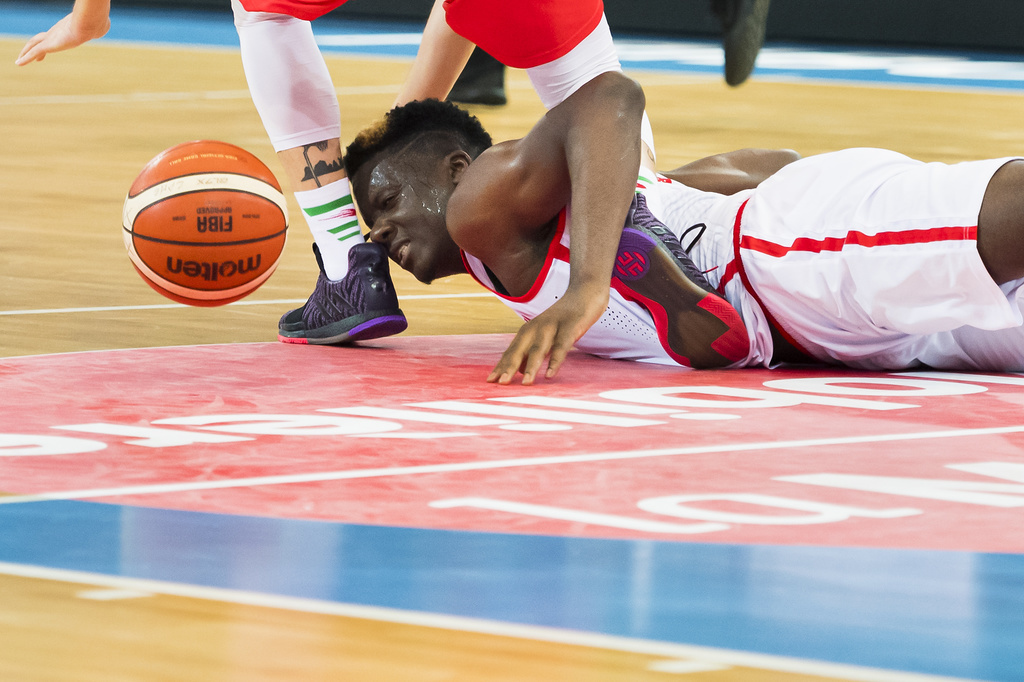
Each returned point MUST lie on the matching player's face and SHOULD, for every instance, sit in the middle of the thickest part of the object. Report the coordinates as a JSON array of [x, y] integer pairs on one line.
[[403, 200]]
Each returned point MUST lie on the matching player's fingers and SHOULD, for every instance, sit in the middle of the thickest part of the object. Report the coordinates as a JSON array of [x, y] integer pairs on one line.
[[525, 354], [31, 51], [557, 358], [538, 353], [559, 350], [34, 56], [500, 375], [503, 374], [511, 362]]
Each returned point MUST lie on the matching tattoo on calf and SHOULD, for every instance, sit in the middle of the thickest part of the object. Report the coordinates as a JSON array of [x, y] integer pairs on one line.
[[321, 164]]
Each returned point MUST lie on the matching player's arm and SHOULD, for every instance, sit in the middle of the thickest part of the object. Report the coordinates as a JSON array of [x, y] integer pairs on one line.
[[594, 136], [440, 59], [89, 19], [733, 171], [506, 202]]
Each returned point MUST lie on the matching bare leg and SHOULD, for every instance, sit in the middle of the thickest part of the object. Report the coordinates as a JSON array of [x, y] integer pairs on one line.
[[1001, 224]]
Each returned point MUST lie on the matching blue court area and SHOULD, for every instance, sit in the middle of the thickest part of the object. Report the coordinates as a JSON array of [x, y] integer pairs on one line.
[[945, 613], [338, 35]]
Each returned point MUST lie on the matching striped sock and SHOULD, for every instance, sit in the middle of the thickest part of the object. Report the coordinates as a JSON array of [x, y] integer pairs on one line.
[[331, 217]]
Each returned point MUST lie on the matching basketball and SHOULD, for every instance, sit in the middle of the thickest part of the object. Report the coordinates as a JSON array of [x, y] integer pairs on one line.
[[205, 223]]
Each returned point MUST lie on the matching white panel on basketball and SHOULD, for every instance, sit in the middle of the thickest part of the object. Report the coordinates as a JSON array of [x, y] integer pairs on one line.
[[198, 183]]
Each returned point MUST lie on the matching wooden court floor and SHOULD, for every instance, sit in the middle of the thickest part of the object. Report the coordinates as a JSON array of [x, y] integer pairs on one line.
[[75, 131]]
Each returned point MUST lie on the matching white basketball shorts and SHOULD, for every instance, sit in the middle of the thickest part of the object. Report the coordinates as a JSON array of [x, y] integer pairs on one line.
[[868, 258]]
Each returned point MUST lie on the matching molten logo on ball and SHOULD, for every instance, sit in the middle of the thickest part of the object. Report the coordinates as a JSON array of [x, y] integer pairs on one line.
[[205, 223], [212, 271]]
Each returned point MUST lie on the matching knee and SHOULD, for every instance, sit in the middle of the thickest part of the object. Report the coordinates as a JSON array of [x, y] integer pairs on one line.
[[1001, 224]]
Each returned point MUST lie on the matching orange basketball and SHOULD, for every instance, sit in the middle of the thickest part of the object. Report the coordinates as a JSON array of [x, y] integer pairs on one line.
[[205, 223]]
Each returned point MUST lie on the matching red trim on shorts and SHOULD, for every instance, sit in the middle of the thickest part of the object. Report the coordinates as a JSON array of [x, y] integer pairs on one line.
[[730, 272], [854, 238], [738, 243]]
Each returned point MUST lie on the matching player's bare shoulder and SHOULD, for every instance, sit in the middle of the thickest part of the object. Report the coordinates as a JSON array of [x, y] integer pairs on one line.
[[482, 208]]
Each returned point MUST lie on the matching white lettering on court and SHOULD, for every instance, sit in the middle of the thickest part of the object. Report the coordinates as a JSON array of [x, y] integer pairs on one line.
[[579, 516], [968, 492], [17, 445], [743, 398], [148, 437], [819, 512], [285, 424], [910, 388], [675, 401]]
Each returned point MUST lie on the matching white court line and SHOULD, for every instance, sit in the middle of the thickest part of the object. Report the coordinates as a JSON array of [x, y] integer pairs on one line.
[[164, 306], [144, 97], [351, 474], [192, 96], [440, 621]]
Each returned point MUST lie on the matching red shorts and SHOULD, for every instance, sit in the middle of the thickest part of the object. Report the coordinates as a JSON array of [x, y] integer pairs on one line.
[[307, 10], [525, 33], [520, 34]]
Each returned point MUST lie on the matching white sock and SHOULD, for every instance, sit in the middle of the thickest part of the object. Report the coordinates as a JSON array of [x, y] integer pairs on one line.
[[331, 217]]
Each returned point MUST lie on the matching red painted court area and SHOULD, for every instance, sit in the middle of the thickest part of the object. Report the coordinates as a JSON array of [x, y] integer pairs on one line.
[[405, 432]]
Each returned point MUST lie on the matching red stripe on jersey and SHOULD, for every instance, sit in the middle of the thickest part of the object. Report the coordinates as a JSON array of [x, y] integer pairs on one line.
[[556, 251], [854, 238]]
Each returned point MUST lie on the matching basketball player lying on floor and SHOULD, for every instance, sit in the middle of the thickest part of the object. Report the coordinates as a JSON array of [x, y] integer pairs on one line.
[[861, 257]]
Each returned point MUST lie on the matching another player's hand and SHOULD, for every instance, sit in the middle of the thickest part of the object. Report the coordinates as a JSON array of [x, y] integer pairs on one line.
[[549, 335], [69, 32]]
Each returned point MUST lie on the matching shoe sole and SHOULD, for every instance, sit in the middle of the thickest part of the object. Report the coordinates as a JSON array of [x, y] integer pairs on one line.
[[371, 325], [685, 315]]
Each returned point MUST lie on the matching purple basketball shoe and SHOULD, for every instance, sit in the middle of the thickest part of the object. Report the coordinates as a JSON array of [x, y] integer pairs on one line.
[[652, 269], [361, 305]]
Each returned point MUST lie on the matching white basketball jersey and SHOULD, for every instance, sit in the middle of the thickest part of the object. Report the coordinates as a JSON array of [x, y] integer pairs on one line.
[[625, 331], [863, 257]]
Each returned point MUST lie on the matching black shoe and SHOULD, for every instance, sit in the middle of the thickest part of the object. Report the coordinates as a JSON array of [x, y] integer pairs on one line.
[[361, 305], [481, 82], [743, 28]]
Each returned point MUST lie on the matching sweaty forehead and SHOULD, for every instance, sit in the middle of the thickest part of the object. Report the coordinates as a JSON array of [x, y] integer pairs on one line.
[[382, 173], [371, 174], [388, 167]]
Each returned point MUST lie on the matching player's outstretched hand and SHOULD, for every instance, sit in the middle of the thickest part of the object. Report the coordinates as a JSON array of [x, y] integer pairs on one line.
[[549, 335], [69, 32]]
